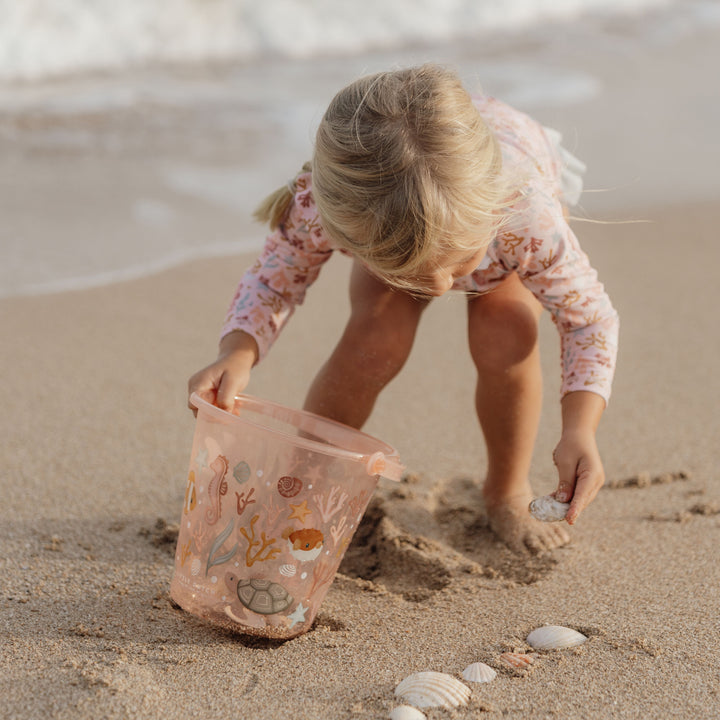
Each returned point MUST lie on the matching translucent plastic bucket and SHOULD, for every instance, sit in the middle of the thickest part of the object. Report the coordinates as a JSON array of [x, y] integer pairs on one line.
[[273, 498]]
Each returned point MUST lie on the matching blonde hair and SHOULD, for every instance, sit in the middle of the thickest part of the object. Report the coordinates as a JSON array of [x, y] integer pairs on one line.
[[404, 169], [273, 209]]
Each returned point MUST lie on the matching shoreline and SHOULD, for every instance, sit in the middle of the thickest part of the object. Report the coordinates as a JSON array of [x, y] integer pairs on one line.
[[341, 42], [142, 183]]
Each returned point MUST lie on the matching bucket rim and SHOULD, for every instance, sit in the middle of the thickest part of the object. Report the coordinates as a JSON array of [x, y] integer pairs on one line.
[[385, 462]]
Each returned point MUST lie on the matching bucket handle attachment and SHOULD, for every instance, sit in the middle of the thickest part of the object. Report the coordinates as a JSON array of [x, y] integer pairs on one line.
[[378, 464]]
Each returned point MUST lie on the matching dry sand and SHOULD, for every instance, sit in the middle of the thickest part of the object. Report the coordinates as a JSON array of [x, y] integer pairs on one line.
[[95, 445]]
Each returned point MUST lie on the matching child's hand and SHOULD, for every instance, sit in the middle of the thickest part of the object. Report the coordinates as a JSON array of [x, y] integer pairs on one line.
[[580, 469], [576, 456], [222, 380]]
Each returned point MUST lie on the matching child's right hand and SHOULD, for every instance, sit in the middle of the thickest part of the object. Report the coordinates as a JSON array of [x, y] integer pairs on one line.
[[222, 380]]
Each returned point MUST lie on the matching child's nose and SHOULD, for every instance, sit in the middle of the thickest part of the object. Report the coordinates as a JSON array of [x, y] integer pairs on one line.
[[442, 284]]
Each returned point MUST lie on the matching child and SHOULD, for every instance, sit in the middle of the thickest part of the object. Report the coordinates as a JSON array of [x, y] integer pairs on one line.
[[430, 189]]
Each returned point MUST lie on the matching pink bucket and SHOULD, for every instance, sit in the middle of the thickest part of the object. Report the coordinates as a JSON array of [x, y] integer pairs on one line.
[[273, 498]]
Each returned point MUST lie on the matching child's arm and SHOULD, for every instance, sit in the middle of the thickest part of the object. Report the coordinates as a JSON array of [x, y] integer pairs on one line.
[[266, 297], [576, 456], [222, 380], [276, 284], [552, 265]]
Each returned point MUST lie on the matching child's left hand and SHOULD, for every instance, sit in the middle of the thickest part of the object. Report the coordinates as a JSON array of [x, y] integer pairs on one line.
[[580, 469]]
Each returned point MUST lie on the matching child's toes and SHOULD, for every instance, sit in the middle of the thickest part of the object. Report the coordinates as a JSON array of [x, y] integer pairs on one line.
[[542, 537], [512, 523], [559, 536]]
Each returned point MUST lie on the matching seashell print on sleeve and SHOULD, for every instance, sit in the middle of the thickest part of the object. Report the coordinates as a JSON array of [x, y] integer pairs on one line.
[[289, 263], [546, 254], [544, 251]]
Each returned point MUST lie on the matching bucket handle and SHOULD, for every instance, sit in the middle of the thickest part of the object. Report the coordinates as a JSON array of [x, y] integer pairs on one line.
[[379, 464]]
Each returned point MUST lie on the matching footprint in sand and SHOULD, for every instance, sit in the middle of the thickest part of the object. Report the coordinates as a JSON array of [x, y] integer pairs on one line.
[[407, 565], [162, 534], [462, 520], [645, 479], [414, 543], [706, 509]]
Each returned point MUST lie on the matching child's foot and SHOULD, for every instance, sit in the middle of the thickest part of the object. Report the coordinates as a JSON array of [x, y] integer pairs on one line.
[[511, 521]]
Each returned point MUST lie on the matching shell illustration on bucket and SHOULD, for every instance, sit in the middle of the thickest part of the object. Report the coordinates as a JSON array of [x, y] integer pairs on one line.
[[273, 498]]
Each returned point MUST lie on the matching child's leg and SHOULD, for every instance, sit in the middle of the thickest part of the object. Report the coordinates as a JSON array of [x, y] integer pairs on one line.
[[375, 345], [503, 333]]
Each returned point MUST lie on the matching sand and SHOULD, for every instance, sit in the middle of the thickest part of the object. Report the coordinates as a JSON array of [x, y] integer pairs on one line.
[[94, 455]]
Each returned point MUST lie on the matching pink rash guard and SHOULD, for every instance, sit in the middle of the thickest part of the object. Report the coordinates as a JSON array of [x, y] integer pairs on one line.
[[538, 244]]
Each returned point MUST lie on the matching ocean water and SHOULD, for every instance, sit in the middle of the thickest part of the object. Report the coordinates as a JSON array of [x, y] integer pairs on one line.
[[136, 136], [45, 38]]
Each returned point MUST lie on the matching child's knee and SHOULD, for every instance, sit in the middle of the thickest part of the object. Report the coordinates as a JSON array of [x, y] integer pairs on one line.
[[502, 335]]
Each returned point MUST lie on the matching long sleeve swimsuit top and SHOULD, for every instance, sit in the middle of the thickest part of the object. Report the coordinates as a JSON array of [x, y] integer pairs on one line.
[[537, 244]]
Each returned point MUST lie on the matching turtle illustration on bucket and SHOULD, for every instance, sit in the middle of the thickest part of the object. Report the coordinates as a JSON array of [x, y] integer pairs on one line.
[[274, 497]]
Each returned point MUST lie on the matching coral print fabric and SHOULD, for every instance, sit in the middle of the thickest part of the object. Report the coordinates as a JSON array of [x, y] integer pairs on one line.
[[538, 244]]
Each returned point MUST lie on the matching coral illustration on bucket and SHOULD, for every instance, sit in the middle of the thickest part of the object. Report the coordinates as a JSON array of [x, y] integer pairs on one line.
[[273, 498]]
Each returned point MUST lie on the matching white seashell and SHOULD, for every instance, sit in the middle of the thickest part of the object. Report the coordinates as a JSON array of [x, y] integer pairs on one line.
[[548, 509], [288, 570], [555, 637], [479, 672], [195, 567], [433, 689], [517, 661], [405, 712]]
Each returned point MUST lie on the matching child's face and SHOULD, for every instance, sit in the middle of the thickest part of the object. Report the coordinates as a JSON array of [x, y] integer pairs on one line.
[[446, 270]]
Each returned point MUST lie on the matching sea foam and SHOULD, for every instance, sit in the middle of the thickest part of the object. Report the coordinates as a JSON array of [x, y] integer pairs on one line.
[[40, 39]]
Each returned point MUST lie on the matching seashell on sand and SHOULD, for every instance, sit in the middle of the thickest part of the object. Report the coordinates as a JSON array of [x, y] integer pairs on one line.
[[555, 637], [433, 689], [288, 570], [548, 509], [405, 712], [479, 672], [517, 661]]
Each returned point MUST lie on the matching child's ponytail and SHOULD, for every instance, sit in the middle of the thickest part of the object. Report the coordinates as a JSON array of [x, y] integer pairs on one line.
[[276, 205]]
